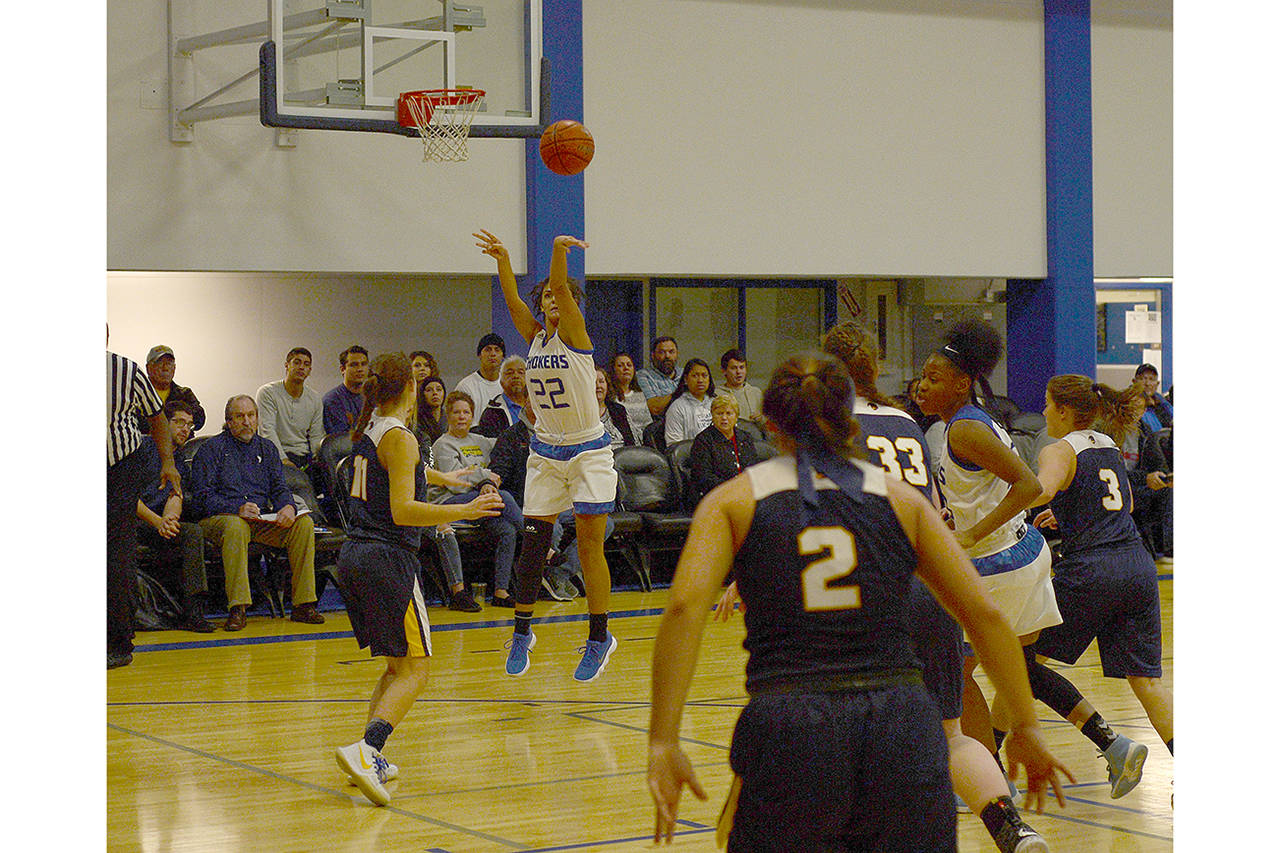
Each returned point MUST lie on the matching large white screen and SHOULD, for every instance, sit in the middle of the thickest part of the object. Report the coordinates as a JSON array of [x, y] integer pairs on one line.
[[807, 139]]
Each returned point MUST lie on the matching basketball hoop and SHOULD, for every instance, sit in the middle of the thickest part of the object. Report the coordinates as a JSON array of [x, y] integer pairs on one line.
[[443, 119]]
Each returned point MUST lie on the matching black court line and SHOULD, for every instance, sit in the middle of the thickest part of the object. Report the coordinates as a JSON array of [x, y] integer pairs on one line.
[[340, 635], [319, 788]]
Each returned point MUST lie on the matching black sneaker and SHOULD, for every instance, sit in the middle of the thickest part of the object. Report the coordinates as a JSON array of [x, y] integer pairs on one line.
[[462, 600], [1017, 836], [550, 592], [505, 601], [115, 659]]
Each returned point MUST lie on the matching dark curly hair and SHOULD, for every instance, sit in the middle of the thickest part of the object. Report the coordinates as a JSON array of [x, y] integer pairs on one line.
[[973, 347]]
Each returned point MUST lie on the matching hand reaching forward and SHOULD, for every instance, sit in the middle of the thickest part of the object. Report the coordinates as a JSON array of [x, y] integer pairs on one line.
[[491, 246], [1026, 747], [484, 506]]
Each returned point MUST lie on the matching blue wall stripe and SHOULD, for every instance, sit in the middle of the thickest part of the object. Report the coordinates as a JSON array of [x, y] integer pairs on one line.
[[554, 204], [1051, 321]]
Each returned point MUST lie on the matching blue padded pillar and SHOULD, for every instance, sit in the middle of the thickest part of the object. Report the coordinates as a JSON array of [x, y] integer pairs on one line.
[[1051, 322], [554, 204]]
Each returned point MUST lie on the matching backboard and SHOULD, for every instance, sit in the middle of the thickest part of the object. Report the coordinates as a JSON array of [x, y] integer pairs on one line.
[[340, 64]]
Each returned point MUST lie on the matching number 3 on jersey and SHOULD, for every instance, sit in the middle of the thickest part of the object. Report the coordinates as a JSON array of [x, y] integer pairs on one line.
[[840, 561], [1113, 499]]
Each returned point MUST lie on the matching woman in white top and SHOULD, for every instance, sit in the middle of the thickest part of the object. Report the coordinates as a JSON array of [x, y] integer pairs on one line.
[[570, 463], [987, 489], [623, 372], [690, 409]]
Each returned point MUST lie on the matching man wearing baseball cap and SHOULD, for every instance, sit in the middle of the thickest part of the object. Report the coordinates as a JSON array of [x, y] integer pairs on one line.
[[160, 366]]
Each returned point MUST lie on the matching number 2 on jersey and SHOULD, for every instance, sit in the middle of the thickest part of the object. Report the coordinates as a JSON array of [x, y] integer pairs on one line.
[[540, 390], [916, 473], [840, 561]]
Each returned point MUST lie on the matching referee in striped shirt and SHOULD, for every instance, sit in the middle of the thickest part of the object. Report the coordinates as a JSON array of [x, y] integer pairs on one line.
[[130, 399]]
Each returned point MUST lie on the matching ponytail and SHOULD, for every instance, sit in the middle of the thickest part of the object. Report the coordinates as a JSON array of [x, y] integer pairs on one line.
[[852, 344], [389, 374], [809, 400], [1113, 412]]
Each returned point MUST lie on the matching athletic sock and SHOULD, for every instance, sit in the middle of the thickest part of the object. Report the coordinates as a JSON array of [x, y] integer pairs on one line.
[[1096, 729], [997, 813], [377, 732], [524, 622], [598, 628], [1169, 743]]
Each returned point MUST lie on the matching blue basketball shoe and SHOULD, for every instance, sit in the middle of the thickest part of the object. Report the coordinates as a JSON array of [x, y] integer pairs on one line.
[[518, 657], [595, 654], [1124, 758]]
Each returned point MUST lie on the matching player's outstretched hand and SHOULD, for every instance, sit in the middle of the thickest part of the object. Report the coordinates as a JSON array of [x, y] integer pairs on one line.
[[724, 607], [564, 241], [669, 772], [485, 506], [1025, 747], [1045, 518], [491, 245]]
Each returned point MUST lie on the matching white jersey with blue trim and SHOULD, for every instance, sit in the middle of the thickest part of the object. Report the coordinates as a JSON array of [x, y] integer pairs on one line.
[[971, 493], [562, 387]]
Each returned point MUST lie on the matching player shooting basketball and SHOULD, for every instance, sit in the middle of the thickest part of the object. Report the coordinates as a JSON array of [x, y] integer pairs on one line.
[[570, 461]]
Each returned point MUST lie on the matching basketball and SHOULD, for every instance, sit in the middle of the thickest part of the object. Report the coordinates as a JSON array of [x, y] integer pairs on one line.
[[567, 147]]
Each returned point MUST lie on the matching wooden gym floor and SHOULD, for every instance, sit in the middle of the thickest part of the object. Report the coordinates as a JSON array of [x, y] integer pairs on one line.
[[225, 741]]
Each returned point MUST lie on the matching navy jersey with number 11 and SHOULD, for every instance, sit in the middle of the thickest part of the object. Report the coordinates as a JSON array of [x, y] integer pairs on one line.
[[370, 501]]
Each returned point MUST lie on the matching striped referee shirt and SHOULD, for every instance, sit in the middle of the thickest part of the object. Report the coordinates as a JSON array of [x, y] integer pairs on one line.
[[129, 390]]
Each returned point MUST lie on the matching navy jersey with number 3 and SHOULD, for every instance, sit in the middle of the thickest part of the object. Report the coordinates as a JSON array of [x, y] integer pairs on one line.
[[1094, 509]]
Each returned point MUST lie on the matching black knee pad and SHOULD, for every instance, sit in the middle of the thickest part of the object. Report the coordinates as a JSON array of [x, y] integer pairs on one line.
[[1050, 687], [533, 556]]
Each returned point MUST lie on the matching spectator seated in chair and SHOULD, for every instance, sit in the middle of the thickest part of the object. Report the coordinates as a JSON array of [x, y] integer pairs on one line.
[[466, 452], [241, 497], [733, 366], [178, 545], [161, 364], [659, 382], [291, 415], [342, 402], [504, 409], [626, 390], [484, 384], [690, 409], [1151, 484], [721, 451], [1159, 413]]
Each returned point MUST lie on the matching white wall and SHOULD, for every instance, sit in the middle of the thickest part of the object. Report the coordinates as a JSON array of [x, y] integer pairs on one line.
[[230, 331], [801, 138], [231, 200], [1133, 139]]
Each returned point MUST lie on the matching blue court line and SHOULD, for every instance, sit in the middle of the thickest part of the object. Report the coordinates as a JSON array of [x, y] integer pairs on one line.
[[642, 730], [631, 840], [539, 783], [339, 635], [320, 788]]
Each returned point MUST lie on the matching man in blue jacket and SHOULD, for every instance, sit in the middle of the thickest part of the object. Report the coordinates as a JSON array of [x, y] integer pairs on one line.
[[241, 497]]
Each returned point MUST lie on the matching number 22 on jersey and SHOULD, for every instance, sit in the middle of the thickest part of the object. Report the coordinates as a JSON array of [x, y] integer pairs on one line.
[[840, 561]]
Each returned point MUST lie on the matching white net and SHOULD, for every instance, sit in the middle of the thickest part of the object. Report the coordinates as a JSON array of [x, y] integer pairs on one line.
[[443, 119]]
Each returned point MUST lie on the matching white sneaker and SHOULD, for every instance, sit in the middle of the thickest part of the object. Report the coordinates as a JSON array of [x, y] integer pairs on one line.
[[384, 776], [365, 766]]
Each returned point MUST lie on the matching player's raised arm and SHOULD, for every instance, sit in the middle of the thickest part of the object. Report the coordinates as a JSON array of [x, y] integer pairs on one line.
[[521, 316], [572, 325]]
